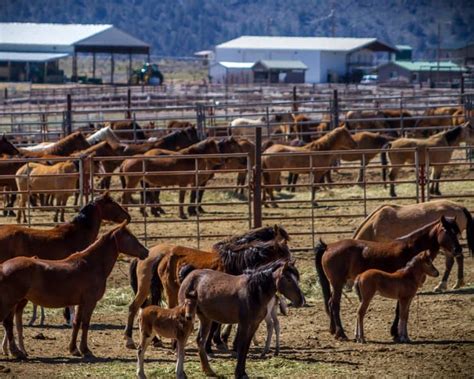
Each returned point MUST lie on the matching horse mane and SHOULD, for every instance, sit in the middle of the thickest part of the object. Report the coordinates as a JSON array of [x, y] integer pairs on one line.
[[85, 214], [93, 149], [60, 146], [453, 134], [198, 148], [325, 142], [262, 234], [418, 231], [252, 255]]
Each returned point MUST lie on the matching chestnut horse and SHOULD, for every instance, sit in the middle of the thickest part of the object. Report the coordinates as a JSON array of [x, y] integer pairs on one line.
[[239, 300], [176, 323], [300, 160], [341, 261], [391, 221], [400, 285], [78, 280], [438, 158], [156, 169], [233, 255], [64, 147]]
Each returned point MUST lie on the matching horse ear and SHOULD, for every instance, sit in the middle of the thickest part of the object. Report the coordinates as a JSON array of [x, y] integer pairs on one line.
[[443, 221]]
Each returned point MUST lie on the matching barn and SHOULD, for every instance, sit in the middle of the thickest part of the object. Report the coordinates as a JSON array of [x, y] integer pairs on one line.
[[326, 59], [30, 51]]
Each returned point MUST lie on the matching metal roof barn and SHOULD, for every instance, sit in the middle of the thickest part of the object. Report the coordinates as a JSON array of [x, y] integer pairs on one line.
[[327, 59], [69, 39]]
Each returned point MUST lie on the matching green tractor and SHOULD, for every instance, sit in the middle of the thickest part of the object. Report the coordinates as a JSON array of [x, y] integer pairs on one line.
[[149, 74]]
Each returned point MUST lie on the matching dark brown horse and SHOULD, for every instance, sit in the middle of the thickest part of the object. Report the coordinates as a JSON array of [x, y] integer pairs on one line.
[[7, 148], [233, 255], [400, 285], [77, 280], [239, 300], [342, 261]]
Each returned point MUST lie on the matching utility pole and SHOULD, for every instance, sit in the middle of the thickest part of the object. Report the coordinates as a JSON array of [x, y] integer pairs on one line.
[[438, 53]]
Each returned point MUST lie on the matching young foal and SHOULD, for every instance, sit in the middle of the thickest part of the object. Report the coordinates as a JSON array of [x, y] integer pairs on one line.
[[341, 261], [77, 280], [400, 285], [239, 300], [176, 323]]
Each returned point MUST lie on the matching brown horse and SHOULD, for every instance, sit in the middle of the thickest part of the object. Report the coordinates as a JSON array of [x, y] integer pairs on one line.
[[300, 160], [233, 255], [127, 130], [176, 323], [178, 124], [438, 158], [341, 261], [239, 300], [177, 140], [439, 117], [78, 280], [248, 147], [401, 285], [366, 120], [393, 118], [156, 169], [391, 221], [64, 147]]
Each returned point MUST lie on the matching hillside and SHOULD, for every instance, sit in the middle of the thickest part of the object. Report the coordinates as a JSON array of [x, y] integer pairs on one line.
[[181, 27]]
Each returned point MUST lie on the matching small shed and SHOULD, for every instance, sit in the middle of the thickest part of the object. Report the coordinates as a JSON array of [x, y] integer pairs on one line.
[[420, 71], [404, 53], [276, 71], [231, 72]]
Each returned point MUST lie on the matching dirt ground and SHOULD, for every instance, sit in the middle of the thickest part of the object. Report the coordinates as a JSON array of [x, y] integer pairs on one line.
[[441, 325]]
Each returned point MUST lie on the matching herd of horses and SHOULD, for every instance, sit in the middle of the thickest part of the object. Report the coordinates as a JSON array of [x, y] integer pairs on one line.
[[235, 282], [242, 279]]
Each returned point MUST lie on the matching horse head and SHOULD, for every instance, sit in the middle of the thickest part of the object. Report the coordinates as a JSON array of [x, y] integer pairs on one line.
[[110, 209], [190, 304], [230, 145], [448, 231], [344, 140], [287, 279], [6, 147], [426, 263], [126, 243]]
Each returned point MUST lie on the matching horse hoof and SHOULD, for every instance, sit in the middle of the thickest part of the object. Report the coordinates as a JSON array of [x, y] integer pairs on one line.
[[443, 286], [131, 345], [459, 283], [87, 354], [183, 217], [75, 352], [222, 347], [157, 343], [19, 355]]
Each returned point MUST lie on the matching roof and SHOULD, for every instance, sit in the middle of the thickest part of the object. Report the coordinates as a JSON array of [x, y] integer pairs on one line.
[[238, 65], [65, 38], [428, 66], [203, 53], [14, 56], [404, 47], [304, 43], [47, 34], [282, 65]]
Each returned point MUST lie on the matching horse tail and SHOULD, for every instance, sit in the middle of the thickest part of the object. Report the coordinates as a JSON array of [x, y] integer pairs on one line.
[[323, 280], [469, 230], [156, 287], [357, 289], [383, 158], [132, 270], [184, 272], [364, 223]]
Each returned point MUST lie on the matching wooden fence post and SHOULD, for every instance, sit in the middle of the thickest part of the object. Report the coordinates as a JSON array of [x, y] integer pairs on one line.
[[335, 110], [129, 103], [68, 129], [257, 178]]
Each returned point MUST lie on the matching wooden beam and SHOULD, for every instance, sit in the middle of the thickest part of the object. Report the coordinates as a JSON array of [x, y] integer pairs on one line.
[[112, 68]]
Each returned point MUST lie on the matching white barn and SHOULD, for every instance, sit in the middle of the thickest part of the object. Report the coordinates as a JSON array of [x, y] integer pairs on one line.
[[328, 59]]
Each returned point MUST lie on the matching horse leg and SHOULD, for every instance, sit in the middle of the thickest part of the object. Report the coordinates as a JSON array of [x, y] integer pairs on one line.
[[8, 326], [19, 324], [180, 374], [226, 330], [336, 303], [245, 338], [192, 211], [276, 326], [290, 181], [86, 318], [145, 339], [443, 285], [140, 298], [364, 305], [402, 324], [199, 201], [460, 281], [216, 337], [203, 334], [33, 315], [360, 179], [269, 323], [392, 177], [182, 194], [394, 328], [75, 330]]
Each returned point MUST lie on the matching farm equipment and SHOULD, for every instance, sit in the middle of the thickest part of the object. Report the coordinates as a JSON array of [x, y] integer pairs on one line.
[[149, 74]]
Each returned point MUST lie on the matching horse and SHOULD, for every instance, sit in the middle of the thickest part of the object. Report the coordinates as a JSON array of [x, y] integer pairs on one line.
[[401, 285], [244, 127], [127, 130], [393, 119], [440, 117], [177, 140], [160, 271], [156, 169], [79, 279], [248, 147], [104, 134], [301, 161], [178, 124], [341, 261], [7, 148], [241, 300], [438, 158], [64, 147], [303, 126], [64, 239], [176, 323], [365, 120], [59, 180], [391, 221]]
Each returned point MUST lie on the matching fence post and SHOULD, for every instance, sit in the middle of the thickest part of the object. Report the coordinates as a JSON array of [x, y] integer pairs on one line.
[[200, 119], [295, 98], [257, 178], [335, 110], [5, 95], [129, 103], [401, 114], [462, 89], [68, 114]]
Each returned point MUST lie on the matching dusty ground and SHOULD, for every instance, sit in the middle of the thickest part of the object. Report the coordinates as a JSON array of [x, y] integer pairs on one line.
[[441, 326]]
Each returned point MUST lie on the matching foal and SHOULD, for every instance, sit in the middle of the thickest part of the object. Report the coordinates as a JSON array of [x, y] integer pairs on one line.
[[176, 323], [400, 285]]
